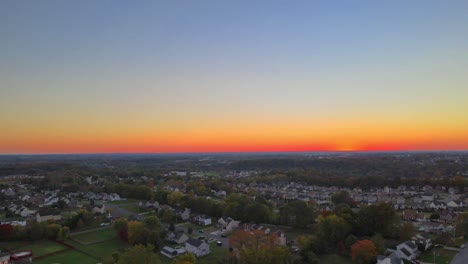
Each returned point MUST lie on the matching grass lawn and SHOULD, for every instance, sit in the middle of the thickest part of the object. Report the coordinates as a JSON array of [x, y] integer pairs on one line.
[[43, 247], [335, 259], [100, 250], [95, 236], [443, 256], [13, 244], [133, 207], [68, 257], [216, 254]]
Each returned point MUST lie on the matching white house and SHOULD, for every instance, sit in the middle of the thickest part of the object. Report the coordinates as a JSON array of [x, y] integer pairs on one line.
[[48, 217], [178, 237], [172, 252], [202, 220], [197, 247], [99, 210], [407, 250], [390, 259], [423, 241], [114, 197], [184, 215], [227, 223]]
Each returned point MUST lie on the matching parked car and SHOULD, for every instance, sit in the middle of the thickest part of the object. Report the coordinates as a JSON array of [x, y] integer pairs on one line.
[[462, 245], [219, 243]]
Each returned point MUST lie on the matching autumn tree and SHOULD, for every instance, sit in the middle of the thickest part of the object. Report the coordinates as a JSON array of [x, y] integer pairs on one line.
[[407, 230], [121, 227], [136, 233], [139, 254], [257, 248], [363, 251]]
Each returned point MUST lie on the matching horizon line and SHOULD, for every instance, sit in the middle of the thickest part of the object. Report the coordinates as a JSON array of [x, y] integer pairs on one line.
[[234, 152]]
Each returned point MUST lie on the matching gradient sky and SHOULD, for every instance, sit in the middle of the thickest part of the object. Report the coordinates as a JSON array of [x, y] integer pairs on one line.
[[195, 76]]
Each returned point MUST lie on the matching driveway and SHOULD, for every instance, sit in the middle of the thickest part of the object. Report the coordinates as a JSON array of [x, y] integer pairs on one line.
[[461, 257]]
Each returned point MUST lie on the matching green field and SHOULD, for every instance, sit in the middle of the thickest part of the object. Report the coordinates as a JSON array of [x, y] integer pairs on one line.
[[95, 236], [100, 250], [41, 248], [133, 207], [68, 257], [442, 256]]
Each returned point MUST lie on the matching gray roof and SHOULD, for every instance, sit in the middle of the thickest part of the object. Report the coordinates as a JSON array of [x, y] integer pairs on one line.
[[195, 242]]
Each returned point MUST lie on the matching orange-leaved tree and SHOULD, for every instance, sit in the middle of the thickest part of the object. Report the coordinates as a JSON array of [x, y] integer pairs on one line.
[[363, 251]]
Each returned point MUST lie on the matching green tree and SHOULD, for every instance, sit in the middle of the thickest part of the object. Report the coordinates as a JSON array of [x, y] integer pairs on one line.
[[332, 229]]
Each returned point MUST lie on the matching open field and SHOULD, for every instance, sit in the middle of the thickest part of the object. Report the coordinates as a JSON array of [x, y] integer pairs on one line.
[[40, 248], [68, 257], [133, 207], [95, 236], [442, 256], [100, 250]]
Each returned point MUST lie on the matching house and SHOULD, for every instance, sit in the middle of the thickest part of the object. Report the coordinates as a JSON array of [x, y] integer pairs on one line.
[[407, 250], [197, 247], [25, 212], [99, 209], [48, 216], [177, 237], [447, 216], [172, 252], [202, 220], [227, 223], [427, 197], [423, 241], [432, 227], [390, 259], [114, 197], [412, 215], [184, 215], [279, 238]]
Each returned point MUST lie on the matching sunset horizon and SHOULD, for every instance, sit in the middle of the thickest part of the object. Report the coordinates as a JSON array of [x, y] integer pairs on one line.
[[169, 77]]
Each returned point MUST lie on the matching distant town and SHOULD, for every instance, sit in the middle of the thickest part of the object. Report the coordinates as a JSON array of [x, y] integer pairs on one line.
[[235, 208]]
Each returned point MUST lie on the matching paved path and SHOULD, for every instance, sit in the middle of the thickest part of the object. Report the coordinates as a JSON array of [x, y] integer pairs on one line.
[[461, 257]]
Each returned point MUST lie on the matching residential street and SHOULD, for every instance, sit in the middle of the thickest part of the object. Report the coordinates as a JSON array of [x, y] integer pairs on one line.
[[461, 257]]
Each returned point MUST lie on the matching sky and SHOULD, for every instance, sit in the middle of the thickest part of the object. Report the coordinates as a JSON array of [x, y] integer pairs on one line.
[[232, 76]]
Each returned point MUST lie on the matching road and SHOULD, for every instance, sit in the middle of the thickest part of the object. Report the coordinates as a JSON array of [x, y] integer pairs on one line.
[[461, 257]]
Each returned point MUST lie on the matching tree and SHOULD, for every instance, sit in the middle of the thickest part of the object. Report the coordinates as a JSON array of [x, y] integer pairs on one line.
[[363, 251], [174, 198], [152, 223], [136, 233], [332, 229], [139, 254], [168, 216], [257, 248], [342, 197], [406, 231], [53, 230], [37, 231], [6, 231], [187, 258], [63, 233], [379, 243]]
